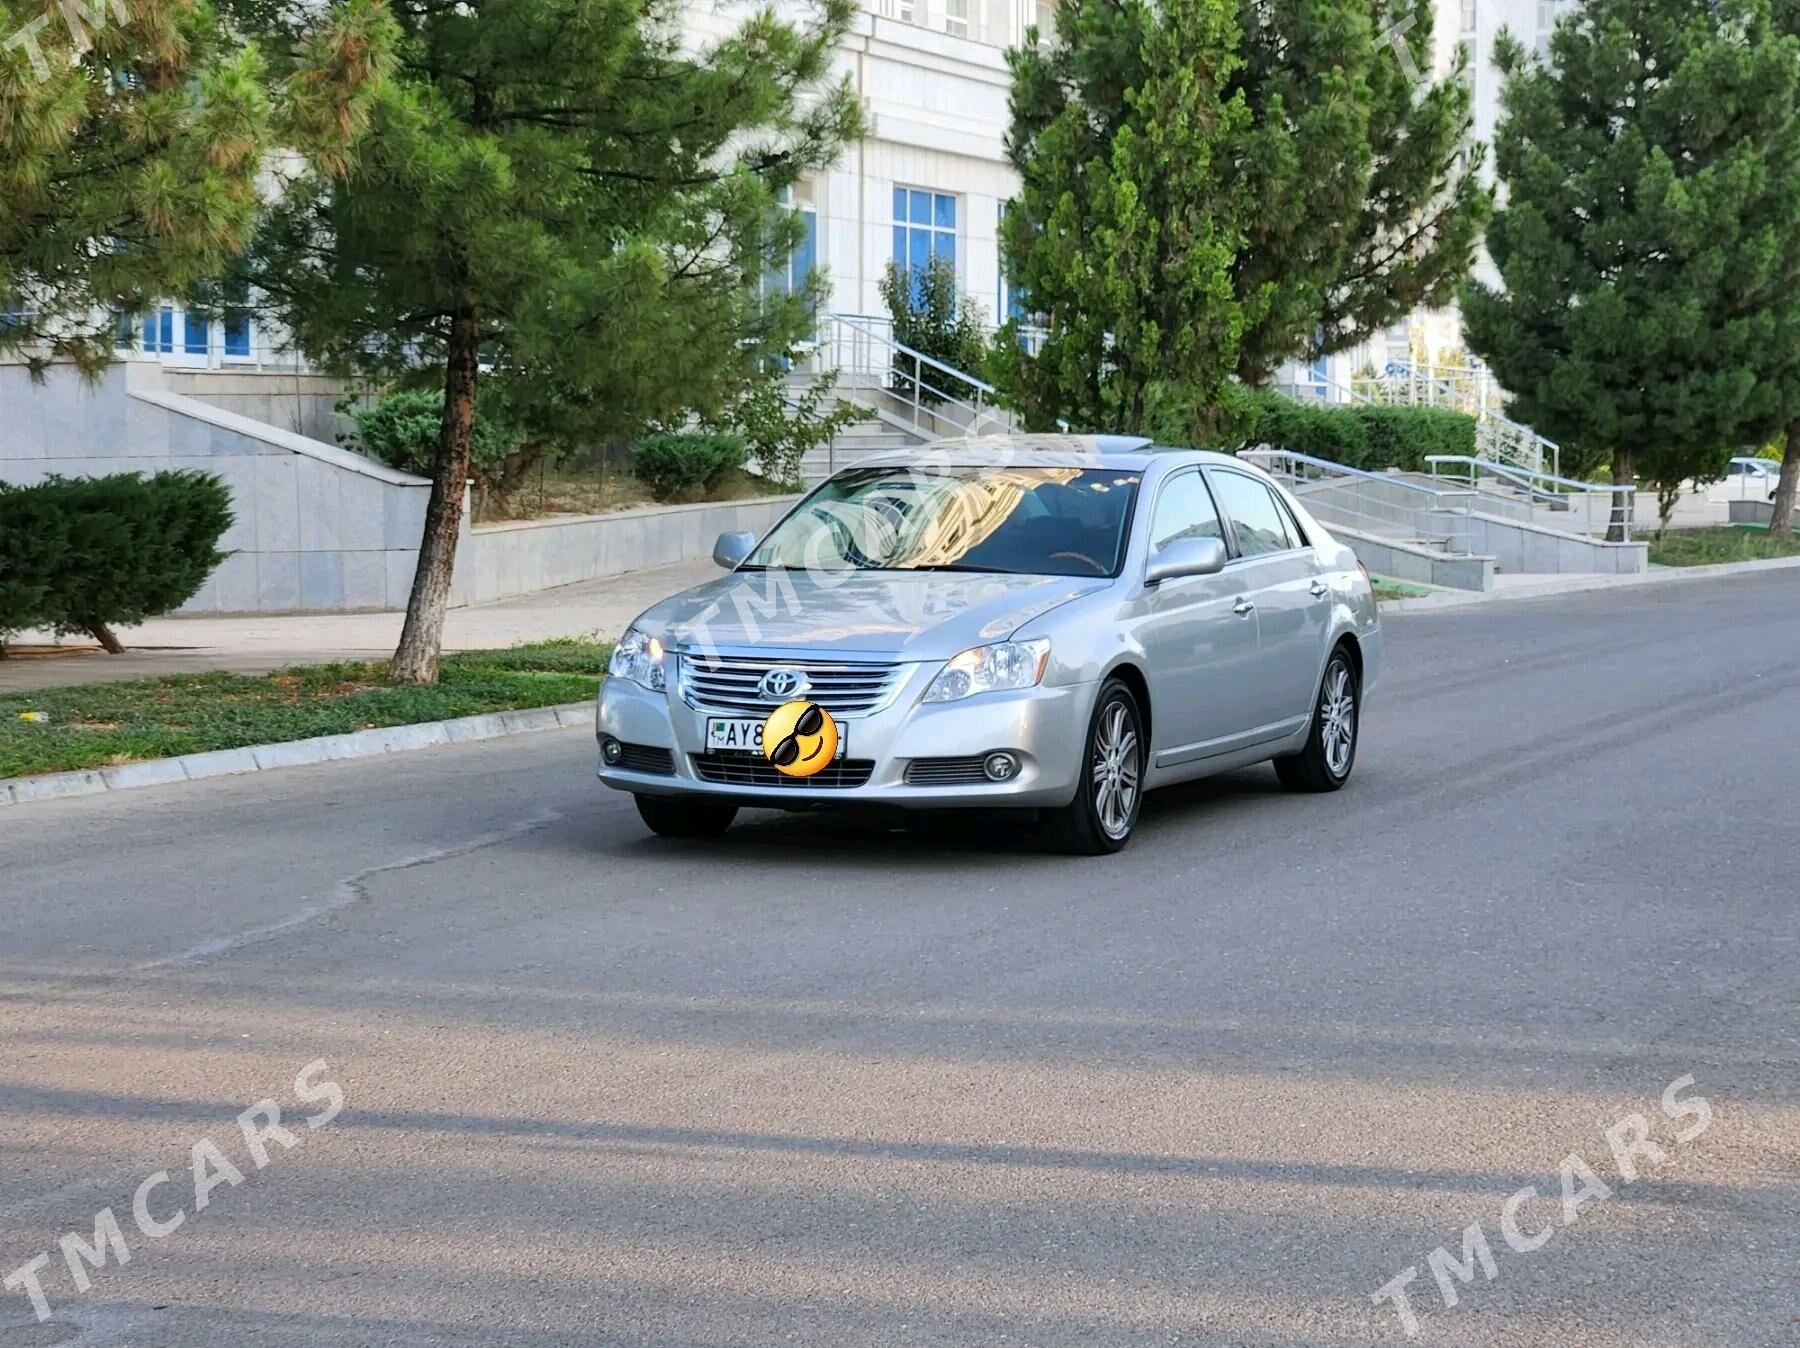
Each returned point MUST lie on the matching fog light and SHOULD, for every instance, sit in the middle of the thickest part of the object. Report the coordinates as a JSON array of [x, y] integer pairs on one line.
[[610, 749], [1000, 767]]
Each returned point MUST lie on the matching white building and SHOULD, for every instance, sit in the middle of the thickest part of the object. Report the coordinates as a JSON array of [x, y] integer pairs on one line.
[[931, 176]]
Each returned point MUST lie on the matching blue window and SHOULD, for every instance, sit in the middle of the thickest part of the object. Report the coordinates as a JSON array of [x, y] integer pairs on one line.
[[237, 334], [800, 264], [196, 333], [924, 227], [159, 331], [1010, 300]]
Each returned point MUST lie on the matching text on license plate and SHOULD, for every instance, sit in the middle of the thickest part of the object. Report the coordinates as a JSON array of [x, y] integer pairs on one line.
[[732, 734]]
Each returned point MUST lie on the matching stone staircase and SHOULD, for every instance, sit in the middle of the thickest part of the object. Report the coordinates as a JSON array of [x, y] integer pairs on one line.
[[858, 441]]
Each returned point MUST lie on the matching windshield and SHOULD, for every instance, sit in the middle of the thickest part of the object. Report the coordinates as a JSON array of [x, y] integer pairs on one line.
[[1018, 521]]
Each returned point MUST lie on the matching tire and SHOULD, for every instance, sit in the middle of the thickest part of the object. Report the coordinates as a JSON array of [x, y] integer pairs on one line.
[[674, 817], [1330, 753], [1100, 819]]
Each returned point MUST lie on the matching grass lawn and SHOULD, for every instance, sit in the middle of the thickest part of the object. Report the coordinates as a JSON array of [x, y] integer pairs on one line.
[[1387, 590], [1726, 543], [100, 724]]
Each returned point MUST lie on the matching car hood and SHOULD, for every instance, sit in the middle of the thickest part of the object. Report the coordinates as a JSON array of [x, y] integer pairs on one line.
[[918, 615]]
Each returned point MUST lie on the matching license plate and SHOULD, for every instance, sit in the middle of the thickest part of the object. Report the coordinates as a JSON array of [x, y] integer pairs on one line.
[[732, 734]]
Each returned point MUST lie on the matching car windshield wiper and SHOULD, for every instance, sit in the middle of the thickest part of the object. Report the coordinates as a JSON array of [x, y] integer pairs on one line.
[[953, 566]]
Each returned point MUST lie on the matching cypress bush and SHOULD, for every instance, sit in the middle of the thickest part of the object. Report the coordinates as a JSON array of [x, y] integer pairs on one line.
[[402, 431], [1358, 435], [82, 554], [1323, 431], [681, 464], [1362, 435]]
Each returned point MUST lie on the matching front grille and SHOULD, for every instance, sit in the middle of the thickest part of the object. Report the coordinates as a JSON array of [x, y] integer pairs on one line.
[[646, 758], [754, 770], [731, 684], [946, 771]]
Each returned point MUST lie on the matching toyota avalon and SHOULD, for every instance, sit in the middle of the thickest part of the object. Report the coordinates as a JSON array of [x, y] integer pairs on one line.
[[1054, 624]]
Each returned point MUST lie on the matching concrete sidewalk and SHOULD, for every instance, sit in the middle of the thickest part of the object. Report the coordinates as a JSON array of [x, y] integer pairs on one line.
[[252, 645]]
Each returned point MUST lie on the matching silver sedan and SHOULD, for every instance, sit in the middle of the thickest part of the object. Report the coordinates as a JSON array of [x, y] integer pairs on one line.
[[1054, 624]]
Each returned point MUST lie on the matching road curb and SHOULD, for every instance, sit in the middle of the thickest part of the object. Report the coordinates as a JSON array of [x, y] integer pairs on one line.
[[294, 753], [1670, 575]]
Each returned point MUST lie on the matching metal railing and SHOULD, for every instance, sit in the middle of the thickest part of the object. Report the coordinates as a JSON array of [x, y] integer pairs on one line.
[[1377, 503], [929, 396], [1460, 388], [993, 23], [1580, 499]]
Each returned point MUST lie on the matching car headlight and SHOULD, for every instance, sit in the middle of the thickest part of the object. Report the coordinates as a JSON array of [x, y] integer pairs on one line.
[[988, 669], [641, 658]]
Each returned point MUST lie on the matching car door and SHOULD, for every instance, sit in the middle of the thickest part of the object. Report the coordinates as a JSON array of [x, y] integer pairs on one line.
[[1276, 570], [1201, 654]]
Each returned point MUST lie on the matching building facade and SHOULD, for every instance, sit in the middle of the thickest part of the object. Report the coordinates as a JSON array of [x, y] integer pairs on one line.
[[931, 177]]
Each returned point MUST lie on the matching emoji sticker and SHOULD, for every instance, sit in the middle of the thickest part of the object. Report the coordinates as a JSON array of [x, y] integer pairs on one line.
[[799, 738]]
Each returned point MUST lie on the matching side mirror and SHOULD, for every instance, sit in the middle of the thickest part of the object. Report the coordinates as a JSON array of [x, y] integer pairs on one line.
[[1186, 557], [732, 548]]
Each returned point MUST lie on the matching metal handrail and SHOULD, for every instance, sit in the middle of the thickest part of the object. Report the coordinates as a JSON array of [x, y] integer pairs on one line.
[[925, 398], [1514, 470], [1345, 470], [865, 323], [1530, 481], [1413, 378], [1427, 520]]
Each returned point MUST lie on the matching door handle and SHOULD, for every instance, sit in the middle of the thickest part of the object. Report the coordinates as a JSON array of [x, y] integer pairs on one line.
[[1320, 589], [1242, 607]]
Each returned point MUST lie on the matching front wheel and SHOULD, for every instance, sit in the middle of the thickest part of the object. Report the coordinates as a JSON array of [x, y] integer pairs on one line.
[[1105, 809], [674, 817], [1330, 752]]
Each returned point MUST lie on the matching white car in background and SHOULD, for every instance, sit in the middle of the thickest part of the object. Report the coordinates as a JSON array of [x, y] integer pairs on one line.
[[1753, 479]]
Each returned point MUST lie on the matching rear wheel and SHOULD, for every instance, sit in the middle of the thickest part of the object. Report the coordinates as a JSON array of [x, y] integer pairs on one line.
[[1330, 752], [1105, 809], [674, 817]]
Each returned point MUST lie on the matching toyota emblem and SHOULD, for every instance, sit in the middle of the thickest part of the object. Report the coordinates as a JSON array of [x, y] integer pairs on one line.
[[783, 684]]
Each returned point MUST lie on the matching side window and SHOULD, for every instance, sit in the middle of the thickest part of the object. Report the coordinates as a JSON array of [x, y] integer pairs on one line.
[[1258, 520], [1184, 509], [1295, 532]]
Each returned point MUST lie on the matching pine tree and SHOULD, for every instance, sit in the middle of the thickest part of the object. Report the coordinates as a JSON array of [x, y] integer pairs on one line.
[[134, 136], [1366, 194], [1125, 228], [561, 205], [1647, 245], [1326, 190], [1787, 390]]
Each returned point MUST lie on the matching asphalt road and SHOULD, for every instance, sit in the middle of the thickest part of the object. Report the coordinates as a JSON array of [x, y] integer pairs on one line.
[[822, 1084]]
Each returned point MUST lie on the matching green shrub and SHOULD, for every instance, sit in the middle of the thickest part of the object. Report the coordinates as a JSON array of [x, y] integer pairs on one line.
[[1402, 437], [402, 431], [1324, 432], [681, 465], [1362, 435], [930, 318], [81, 554], [779, 428]]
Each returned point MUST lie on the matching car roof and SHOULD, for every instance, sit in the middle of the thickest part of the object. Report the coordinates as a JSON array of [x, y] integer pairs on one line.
[[1030, 450]]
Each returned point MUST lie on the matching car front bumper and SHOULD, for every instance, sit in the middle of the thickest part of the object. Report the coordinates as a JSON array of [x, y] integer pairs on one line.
[[1045, 727]]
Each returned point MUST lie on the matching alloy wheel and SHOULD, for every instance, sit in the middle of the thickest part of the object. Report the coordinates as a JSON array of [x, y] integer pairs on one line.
[[1337, 718], [1116, 770]]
